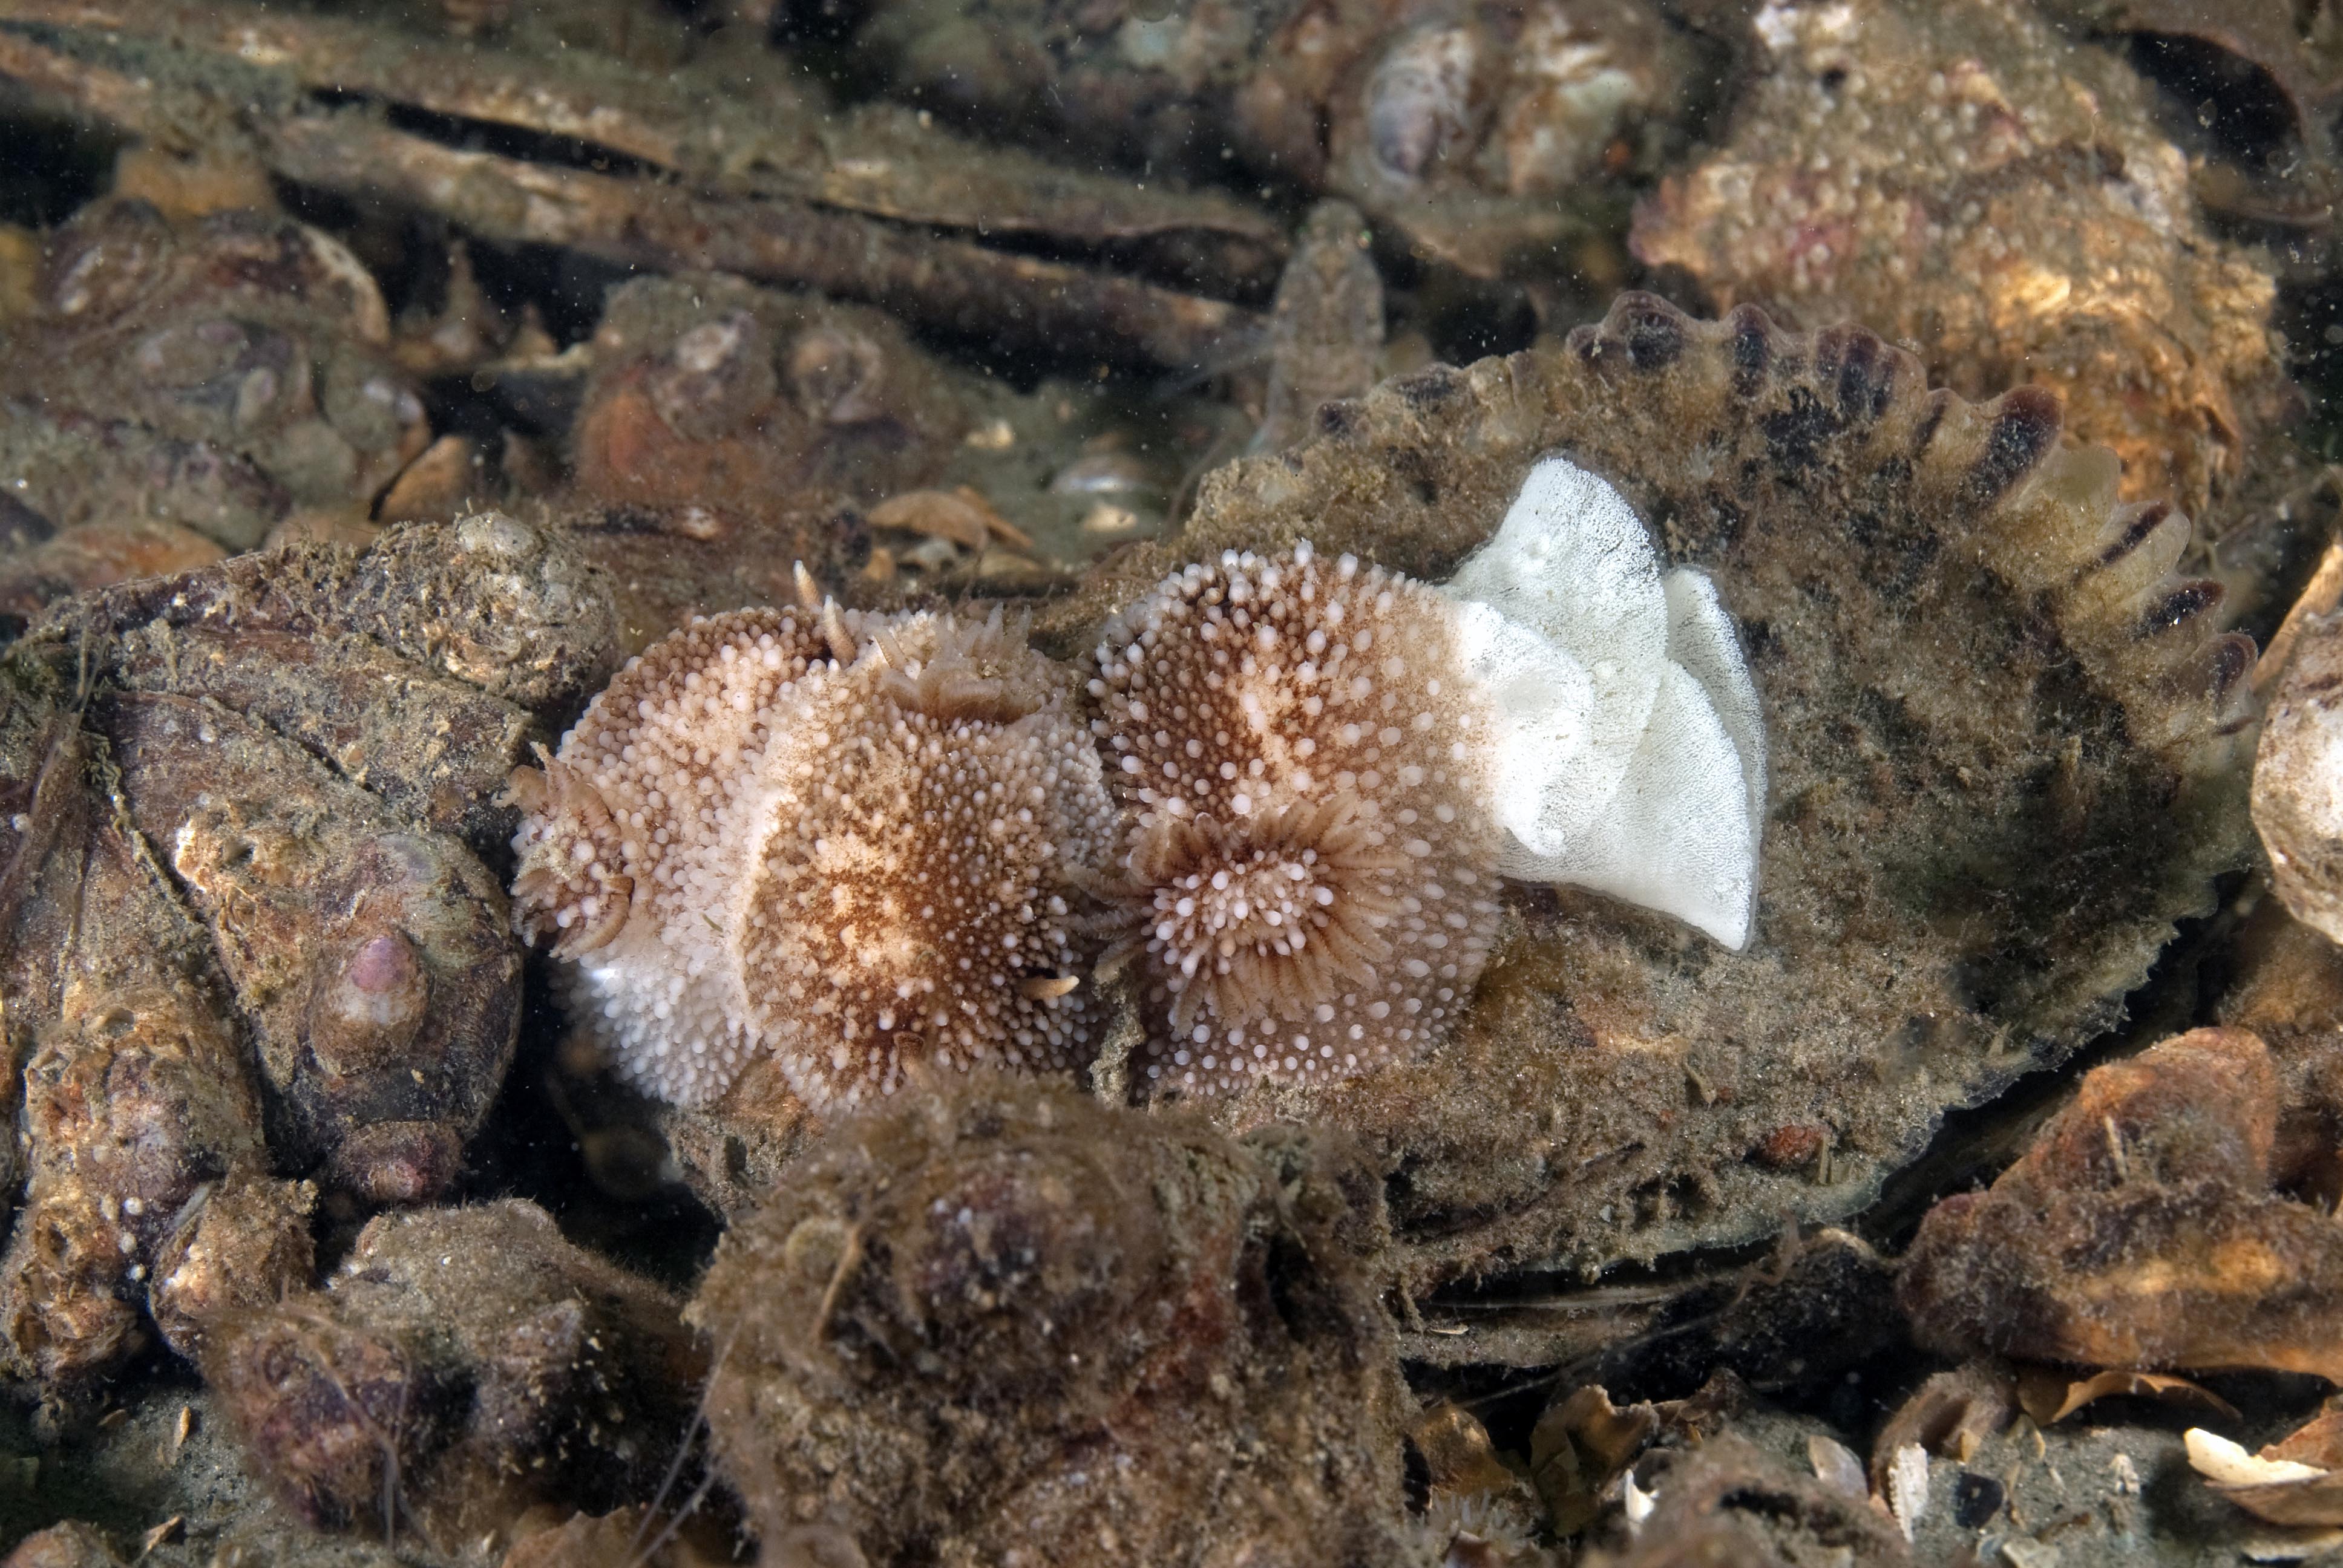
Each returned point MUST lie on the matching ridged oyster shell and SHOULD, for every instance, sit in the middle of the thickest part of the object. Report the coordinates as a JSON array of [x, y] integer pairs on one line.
[[2004, 766]]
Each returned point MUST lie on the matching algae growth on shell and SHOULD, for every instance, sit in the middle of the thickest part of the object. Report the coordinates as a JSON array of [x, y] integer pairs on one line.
[[2004, 769]]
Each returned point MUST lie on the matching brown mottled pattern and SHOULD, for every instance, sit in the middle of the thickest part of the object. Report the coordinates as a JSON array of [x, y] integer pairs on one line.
[[1963, 175]]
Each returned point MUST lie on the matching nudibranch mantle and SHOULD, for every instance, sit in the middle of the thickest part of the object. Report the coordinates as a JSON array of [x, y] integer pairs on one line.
[[848, 841]]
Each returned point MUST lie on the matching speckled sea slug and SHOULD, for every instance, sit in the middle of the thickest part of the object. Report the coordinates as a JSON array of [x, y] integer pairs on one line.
[[845, 841], [1325, 768]]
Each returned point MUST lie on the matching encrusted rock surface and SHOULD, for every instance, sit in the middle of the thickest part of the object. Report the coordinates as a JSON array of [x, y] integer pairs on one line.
[[1005, 1323], [461, 1367], [251, 934], [180, 384], [2140, 1231]]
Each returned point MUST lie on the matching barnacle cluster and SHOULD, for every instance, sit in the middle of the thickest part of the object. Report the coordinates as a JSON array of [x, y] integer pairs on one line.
[[267, 962], [847, 840]]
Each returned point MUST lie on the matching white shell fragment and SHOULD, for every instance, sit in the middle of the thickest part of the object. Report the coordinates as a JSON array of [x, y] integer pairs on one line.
[[1907, 1487], [2298, 800], [2226, 1464], [1631, 753], [1836, 1466]]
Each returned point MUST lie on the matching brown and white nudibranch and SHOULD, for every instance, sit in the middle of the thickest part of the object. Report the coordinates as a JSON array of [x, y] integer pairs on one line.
[[1309, 875], [1326, 768], [862, 842], [843, 840]]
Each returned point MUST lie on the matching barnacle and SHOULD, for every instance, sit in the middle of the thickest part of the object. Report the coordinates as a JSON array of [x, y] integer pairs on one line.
[[844, 840]]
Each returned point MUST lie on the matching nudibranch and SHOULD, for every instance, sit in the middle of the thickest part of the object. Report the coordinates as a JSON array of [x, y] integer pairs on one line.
[[1325, 769], [849, 841], [1309, 879]]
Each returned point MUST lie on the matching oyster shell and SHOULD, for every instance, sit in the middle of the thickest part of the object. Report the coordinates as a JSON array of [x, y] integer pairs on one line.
[[2001, 770], [245, 924], [1959, 177]]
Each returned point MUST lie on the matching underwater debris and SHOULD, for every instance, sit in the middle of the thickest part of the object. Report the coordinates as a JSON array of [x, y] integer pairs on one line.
[[2296, 1481], [849, 842], [689, 173], [739, 415], [960, 516], [2140, 1231], [2001, 765], [1492, 138], [2264, 145], [2049, 1396], [618, 1539], [1728, 1501], [239, 334], [1952, 1415], [1966, 183], [180, 387], [995, 1321], [1580, 1446]]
